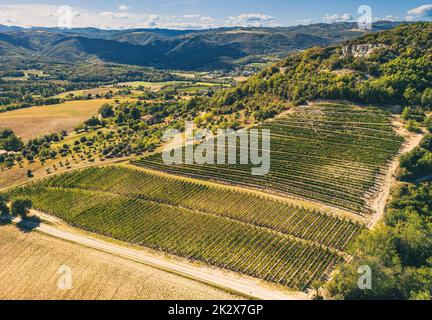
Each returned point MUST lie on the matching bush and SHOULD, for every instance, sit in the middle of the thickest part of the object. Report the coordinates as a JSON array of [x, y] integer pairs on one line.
[[426, 142], [413, 126], [428, 124], [92, 122], [416, 164], [106, 111]]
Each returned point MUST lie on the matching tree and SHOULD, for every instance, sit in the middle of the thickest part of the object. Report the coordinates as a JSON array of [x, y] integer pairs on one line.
[[21, 207], [120, 118], [9, 141], [135, 113], [426, 99], [106, 111], [406, 113], [426, 142], [428, 124], [92, 122], [413, 126], [416, 164], [4, 209]]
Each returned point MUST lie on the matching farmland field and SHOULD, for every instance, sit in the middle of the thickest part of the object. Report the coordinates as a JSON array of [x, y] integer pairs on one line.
[[86, 92], [37, 121], [30, 263], [333, 154], [239, 231], [159, 85]]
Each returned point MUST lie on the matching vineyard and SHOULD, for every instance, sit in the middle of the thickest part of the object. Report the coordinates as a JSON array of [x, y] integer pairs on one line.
[[333, 154], [240, 231]]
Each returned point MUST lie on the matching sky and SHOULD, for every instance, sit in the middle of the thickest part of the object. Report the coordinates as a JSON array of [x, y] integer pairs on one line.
[[202, 14]]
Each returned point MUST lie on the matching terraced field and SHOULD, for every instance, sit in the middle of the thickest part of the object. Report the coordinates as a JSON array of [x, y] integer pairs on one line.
[[333, 154], [239, 231]]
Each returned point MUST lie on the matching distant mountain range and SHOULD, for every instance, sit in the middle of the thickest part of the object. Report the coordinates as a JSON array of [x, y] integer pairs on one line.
[[211, 49]]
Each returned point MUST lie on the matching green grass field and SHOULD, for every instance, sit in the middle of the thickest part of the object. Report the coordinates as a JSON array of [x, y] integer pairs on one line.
[[240, 231]]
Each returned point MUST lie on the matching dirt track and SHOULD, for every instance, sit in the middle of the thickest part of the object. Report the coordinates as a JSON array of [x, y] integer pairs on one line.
[[30, 271], [379, 203], [221, 279]]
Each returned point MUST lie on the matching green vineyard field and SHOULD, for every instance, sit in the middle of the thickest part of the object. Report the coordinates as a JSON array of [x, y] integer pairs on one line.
[[333, 154], [255, 235]]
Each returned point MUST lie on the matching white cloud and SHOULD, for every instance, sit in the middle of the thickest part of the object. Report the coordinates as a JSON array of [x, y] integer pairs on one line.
[[207, 19], [42, 15], [154, 17], [304, 21], [117, 15], [391, 18], [424, 11], [123, 7], [153, 21], [409, 18], [346, 17], [254, 20], [191, 16]]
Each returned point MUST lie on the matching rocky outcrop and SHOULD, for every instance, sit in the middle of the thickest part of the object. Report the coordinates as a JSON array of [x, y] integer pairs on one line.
[[361, 50]]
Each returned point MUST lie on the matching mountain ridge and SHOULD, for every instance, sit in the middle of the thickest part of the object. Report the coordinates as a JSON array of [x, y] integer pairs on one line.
[[173, 49]]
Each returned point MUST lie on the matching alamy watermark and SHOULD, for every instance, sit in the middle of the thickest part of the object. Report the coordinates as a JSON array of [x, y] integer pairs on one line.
[[226, 147], [65, 15], [365, 279], [65, 280], [365, 21]]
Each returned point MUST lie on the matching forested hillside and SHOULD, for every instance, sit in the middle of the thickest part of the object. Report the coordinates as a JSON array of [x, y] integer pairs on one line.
[[393, 67], [224, 48]]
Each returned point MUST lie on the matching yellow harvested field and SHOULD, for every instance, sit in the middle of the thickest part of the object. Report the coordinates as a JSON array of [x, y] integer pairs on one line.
[[31, 263], [37, 121]]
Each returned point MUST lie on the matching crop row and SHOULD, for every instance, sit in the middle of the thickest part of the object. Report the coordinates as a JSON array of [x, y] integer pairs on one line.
[[334, 154], [219, 241]]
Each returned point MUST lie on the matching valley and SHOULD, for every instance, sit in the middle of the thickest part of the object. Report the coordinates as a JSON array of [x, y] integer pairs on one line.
[[87, 156]]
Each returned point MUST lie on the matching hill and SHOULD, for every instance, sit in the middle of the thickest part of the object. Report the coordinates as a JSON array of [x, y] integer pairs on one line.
[[175, 49], [333, 154], [392, 67]]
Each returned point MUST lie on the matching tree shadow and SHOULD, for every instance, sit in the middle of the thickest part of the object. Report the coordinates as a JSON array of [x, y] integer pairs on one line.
[[5, 221], [29, 224]]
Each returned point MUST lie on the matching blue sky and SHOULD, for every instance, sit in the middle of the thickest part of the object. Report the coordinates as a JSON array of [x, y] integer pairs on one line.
[[185, 14]]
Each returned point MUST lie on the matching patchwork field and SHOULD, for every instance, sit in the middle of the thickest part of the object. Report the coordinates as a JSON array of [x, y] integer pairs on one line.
[[37, 121], [101, 91], [30, 264], [240, 231], [159, 85], [333, 154]]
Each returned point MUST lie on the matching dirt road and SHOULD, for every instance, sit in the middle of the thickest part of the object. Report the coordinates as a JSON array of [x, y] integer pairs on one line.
[[380, 202], [225, 280]]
